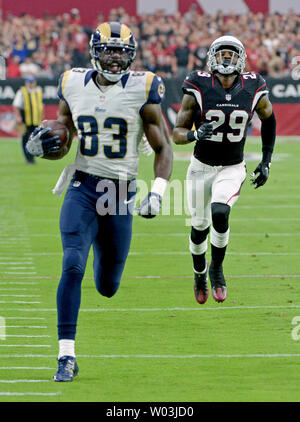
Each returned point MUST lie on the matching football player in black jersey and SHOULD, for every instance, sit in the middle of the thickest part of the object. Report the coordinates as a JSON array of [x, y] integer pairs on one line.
[[220, 105]]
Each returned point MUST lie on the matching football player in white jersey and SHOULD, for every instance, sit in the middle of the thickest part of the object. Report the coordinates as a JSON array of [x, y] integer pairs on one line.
[[109, 107], [220, 103]]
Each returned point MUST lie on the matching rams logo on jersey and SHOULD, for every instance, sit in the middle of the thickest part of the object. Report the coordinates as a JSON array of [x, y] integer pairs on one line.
[[161, 90]]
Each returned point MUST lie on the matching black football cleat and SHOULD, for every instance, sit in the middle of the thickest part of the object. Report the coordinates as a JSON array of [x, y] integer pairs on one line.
[[218, 283], [67, 369], [201, 288]]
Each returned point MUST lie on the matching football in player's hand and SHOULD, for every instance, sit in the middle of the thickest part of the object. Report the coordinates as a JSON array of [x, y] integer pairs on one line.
[[57, 129]]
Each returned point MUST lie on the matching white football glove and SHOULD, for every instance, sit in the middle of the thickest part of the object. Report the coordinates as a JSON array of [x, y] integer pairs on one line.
[[145, 147], [38, 144], [150, 206]]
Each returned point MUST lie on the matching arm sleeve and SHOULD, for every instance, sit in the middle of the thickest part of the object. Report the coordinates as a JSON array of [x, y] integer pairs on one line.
[[268, 136]]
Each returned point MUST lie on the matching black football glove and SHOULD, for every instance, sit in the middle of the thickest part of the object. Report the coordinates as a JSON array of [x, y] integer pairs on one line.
[[150, 206], [260, 174], [39, 144], [203, 132]]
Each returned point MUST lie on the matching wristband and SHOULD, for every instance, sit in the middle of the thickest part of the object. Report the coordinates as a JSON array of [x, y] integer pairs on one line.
[[159, 186], [191, 136]]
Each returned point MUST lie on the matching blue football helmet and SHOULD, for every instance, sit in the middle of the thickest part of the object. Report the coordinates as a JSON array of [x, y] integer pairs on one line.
[[113, 49]]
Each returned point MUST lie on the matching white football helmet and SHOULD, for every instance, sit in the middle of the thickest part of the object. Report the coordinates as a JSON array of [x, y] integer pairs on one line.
[[226, 66]]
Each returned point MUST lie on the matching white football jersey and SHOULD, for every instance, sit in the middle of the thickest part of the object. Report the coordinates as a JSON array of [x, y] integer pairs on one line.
[[108, 122]]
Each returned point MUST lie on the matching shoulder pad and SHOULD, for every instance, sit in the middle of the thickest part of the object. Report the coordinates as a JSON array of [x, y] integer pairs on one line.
[[256, 85], [253, 79], [197, 79], [155, 88]]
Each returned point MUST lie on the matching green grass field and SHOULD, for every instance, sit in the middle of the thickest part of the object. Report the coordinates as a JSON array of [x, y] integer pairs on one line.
[[152, 341]]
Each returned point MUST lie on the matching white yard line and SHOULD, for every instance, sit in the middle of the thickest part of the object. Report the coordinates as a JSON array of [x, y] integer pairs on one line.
[[4, 368], [23, 326], [20, 295], [26, 336], [164, 277], [179, 309], [164, 253], [21, 381], [18, 301], [25, 345], [18, 282], [26, 318], [264, 234], [29, 394], [160, 356]]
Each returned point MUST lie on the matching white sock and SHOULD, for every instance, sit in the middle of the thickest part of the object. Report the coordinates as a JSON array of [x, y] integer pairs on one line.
[[66, 348]]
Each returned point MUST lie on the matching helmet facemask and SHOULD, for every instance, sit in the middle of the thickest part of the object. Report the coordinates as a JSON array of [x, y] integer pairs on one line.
[[112, 56], [226, 66]]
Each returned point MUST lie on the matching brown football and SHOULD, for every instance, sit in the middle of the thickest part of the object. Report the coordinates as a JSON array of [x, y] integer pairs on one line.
[[57, 128]]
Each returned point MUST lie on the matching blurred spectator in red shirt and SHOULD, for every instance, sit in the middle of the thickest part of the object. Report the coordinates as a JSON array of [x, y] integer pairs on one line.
[[13, 67], [75, 16]]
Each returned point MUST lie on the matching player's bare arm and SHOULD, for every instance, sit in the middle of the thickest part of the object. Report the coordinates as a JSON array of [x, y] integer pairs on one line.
[[65, 117], [157, 134], [185, 120], [182, 133], [264, 108]]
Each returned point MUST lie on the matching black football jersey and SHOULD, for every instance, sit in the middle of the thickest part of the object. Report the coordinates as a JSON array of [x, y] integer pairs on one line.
[[229, 110]]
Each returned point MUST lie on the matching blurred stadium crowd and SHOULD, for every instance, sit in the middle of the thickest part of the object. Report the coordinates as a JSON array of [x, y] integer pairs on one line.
[[168, 45]]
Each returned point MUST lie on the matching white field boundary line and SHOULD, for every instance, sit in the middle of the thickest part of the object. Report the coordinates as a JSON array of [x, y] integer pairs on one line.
[[154, 356], [175, 309]]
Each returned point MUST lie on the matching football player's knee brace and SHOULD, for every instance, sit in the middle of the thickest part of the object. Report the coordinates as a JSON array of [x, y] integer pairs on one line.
[[198, 241], [220, 216]]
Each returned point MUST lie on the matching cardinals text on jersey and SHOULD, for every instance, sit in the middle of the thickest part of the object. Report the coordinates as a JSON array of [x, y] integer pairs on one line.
[[229, 110], [108, 121]]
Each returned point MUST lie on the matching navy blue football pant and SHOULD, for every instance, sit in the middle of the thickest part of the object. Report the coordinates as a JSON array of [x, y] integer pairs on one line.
[[85, 222]]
